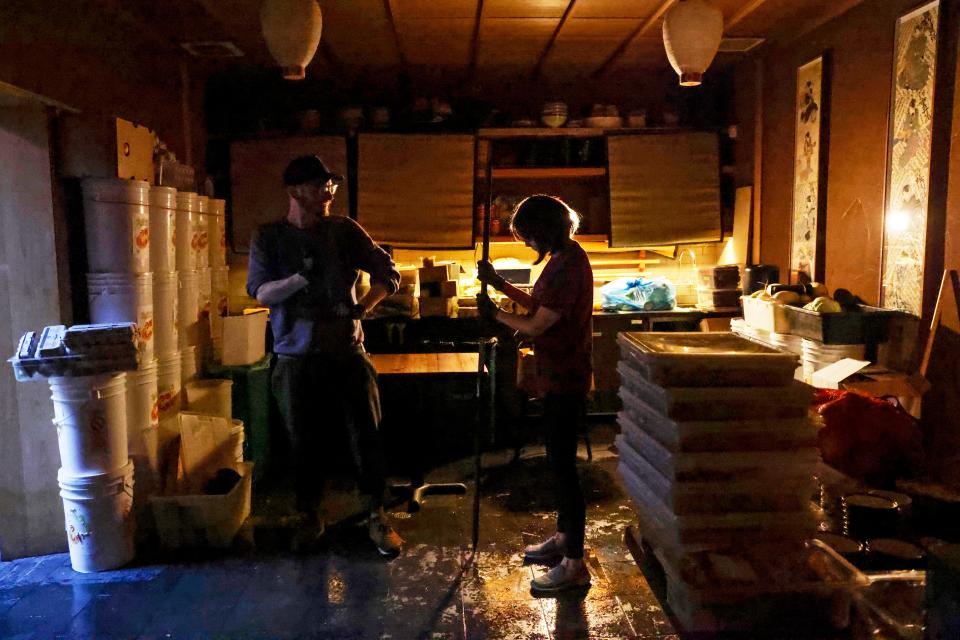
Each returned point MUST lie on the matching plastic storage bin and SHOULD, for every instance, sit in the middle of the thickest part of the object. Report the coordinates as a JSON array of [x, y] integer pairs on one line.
[[720, 277], [244, 338], [679, 360], [765, 315], [203, 520], [867, 326], [718, 298]]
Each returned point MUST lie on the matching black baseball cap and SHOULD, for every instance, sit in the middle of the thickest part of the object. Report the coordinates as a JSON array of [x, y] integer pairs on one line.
[[308, 168]]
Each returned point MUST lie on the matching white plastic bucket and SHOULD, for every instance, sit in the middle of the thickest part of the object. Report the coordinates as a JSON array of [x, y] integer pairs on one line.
[[211, 397], [186, 234], [188, 365], [143, 411], [216, 233], [166, 286], [124, 297], [90, 413], [202, 221], [204, 289], [98, 514], [163, 229], [169, 385], [237, 437], [188, 310], [116, 217]]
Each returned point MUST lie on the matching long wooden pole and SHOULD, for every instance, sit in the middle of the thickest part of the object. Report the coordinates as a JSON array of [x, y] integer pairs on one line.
[[484, 412]]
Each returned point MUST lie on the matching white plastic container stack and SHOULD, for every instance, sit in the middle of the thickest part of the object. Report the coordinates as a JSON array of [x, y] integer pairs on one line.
[[96, 477], [216, 233], [124, 297], [188, 311], [163, 227], [169, 385], [98, 513], [117, 221], [188, 365], [90, 413], [187, 239], [816, 355], [166, 285], [202, 222], [143, 411]]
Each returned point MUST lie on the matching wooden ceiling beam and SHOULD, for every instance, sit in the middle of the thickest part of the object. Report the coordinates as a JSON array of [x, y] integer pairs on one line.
[[475, 44], [742, 13], [639, 32], [553, 38], [388, 9]]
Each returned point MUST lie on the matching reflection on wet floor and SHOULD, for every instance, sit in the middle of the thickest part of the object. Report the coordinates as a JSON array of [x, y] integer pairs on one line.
[[341, 588]]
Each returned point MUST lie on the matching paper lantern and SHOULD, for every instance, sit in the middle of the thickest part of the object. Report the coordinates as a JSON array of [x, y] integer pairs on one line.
[[692, 30], [291, 29]]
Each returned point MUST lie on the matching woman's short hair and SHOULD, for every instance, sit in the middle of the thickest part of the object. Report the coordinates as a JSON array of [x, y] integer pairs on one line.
[[545, 219]]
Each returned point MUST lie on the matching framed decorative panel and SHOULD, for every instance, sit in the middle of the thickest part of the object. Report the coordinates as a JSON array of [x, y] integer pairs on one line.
[[908, 159], [811, 148]]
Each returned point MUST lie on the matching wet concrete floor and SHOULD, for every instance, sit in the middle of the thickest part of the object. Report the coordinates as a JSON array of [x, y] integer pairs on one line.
[[438, 588]]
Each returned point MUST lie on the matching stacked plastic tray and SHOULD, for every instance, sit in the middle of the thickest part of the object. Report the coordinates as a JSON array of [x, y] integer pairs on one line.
[[716, 448]]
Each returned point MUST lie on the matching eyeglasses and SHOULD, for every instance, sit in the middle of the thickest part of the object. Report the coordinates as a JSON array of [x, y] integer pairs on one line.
[[331, 187]]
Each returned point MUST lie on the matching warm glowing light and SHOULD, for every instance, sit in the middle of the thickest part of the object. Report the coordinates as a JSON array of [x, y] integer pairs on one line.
[[898, 221]]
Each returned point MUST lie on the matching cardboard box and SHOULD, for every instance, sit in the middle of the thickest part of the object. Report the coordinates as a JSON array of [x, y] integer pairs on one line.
[[244, 338], [438, 307], [439, 273], [440, 289]]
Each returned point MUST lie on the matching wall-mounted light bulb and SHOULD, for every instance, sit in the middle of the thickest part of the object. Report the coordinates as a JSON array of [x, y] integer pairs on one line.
[[898, 221]]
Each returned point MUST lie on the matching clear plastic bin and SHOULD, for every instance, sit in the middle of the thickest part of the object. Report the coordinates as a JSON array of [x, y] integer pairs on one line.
[[719, 435], [719, 403], [697, 359], [192, 521], [789, 494]]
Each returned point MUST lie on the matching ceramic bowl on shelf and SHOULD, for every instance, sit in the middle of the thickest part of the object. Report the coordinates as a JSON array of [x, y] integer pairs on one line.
[[603, 122]]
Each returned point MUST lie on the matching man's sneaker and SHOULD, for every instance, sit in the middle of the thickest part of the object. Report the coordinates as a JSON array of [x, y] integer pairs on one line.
[[549, 549], [388, 541], [561, 578]]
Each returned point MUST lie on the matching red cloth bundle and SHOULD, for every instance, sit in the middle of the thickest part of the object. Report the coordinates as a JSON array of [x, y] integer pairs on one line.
[[868, 438]]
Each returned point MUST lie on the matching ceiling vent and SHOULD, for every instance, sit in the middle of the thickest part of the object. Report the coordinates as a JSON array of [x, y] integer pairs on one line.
[[212, 49], [738, 45]]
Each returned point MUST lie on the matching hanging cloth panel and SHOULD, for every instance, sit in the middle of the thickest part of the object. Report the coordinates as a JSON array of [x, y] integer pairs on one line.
[[257, 194], [664, 189], [417, 190]]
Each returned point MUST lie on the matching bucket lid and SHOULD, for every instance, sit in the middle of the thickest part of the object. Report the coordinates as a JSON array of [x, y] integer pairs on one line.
[[203, 204], [165, 276], [116, 190], [187, 201], [146, 369], [163, 197], [190, 349], [218, 206]]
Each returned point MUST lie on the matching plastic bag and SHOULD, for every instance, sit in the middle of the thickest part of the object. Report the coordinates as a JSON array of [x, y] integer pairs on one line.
[[631, 294]]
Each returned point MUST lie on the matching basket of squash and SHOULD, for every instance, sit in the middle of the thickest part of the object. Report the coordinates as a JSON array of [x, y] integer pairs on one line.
[[809, 311]]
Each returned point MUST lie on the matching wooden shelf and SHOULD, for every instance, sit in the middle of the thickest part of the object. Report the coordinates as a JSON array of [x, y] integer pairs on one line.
[[579, 238], [541, 132], [546, 172]]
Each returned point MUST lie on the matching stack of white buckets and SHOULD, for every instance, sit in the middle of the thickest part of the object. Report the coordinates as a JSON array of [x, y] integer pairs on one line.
[[149, 253]]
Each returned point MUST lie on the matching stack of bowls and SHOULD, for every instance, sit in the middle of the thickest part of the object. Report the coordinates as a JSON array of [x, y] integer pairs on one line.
[[816, 355], [554, 114]]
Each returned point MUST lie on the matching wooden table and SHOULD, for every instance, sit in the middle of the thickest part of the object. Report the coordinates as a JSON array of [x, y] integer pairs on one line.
[[389, 364], [444, 364]]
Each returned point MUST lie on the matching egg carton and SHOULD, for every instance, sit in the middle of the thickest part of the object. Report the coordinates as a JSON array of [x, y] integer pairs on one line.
[[97, 349]]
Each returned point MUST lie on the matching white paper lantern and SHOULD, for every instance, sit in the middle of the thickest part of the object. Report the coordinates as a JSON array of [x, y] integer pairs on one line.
[[692, 30], [291, 29]]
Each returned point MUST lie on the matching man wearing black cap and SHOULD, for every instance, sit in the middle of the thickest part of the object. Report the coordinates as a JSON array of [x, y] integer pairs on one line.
[[305, 268]]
